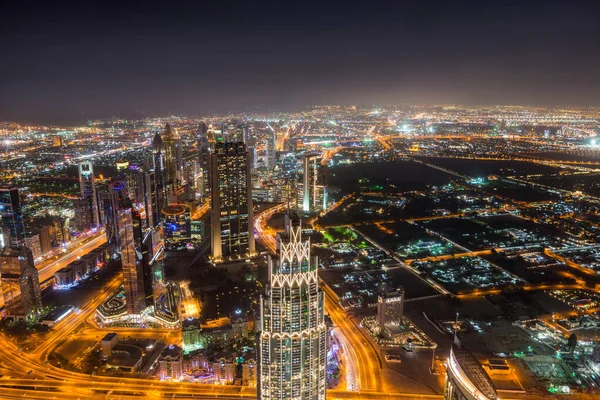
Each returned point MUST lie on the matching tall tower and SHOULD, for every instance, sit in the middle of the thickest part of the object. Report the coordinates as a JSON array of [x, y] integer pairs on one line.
[[130, 240], [168, 139], [270, 147], [12, 217], [151, 199], [204, 157], [29, 284], [232, 234], [87, 188], [293, 338], [313, 194], [158, 160]]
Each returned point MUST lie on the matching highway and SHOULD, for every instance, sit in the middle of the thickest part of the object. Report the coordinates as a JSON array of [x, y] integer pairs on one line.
[[47, 268], [361, 357]]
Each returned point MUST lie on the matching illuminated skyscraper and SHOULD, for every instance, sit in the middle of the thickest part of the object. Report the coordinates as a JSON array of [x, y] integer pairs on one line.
[[132, 258], [232, 234], [293, 338], [110, 204], [152, 199], [29, 284], [313, 193], [204, 158], [87, 188], [169, 138], [270, 147], [12, 217]]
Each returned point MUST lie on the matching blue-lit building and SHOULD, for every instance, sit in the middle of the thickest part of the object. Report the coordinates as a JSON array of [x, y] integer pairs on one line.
[[12, 217]]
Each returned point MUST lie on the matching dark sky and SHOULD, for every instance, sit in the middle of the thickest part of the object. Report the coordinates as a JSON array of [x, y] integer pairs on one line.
[[70, 61]]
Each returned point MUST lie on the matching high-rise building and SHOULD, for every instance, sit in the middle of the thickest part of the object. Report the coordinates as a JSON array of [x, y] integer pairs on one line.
[[204, 158], [110, 199], [61, 232], [57, 141], [252, 155], [134, 185], [152, 199], [32, 241], [390, 307], [465, 377], [158, 162], [29, 284], [270, 147], [313, 193], [169, 139], [45, 239], [12, 217], [232, 234], [87, 188], [293, 338], [129, 238]]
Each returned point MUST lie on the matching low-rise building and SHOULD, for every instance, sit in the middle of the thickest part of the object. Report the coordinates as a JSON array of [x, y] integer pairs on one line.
[[170, 363]]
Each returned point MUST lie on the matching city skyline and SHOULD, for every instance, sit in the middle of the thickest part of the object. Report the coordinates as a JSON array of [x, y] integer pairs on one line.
[[276, 200]]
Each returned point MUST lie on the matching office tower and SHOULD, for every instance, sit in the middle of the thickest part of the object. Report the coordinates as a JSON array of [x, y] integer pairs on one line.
[[61, 232], [293, 338], [313, 193], [213, 131], [57, 141], [158, 163], [245, 134], [145, 254], [270, 147], [390, 307], [45, 240], [204, 150], [29, 284], [87, 188], [170, 156], [465, 377], [252, 156], [134, 185], [82, 221], [32, 242], [110, 200], [232, 234], [129, 238], [152, 199], [156, 256], [12, 217]]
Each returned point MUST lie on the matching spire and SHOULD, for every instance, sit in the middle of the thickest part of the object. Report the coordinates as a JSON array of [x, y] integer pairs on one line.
[[157, 144], [169, 134]]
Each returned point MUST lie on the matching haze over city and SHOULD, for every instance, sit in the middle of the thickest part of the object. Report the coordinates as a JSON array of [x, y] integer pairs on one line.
[[69, 61]]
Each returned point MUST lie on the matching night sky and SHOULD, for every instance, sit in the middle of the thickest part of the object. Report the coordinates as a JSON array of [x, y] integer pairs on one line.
[[64, 62]]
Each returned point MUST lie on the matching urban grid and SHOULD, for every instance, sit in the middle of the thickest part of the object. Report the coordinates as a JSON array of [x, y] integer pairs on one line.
[[334, 250]]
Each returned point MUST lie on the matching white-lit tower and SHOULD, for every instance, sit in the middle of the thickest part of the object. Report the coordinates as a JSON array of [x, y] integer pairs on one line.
[[87, 188], [293, 338]]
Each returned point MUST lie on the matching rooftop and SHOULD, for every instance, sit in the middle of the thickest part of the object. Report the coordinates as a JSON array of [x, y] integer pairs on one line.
[[474, 372]]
